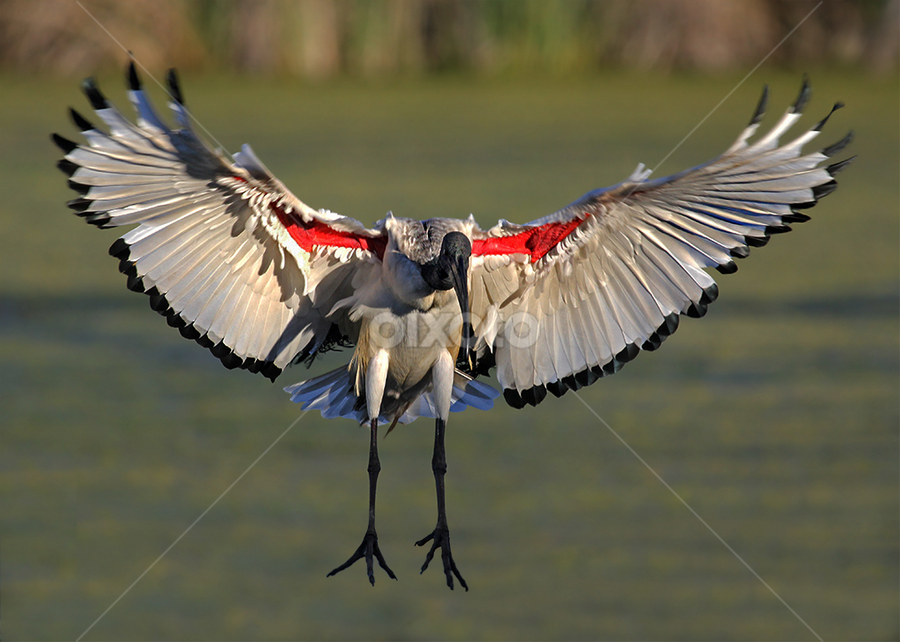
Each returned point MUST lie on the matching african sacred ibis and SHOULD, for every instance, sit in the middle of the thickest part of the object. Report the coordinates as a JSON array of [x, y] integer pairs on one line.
[[239, 264]]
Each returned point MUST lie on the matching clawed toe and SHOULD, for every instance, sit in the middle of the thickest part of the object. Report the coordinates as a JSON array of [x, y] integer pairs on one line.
[[440, 538], [368, 549]]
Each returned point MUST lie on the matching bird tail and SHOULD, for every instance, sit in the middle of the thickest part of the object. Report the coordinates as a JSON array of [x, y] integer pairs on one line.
[[333, 394]]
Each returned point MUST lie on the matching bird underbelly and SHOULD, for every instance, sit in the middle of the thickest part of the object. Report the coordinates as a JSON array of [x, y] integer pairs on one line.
[[414, 342]]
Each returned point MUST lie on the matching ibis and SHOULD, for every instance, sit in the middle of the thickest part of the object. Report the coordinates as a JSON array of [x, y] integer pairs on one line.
[[236, 262]]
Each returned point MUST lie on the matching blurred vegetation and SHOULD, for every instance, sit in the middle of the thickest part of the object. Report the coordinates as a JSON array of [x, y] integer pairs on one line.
[[325, 38]]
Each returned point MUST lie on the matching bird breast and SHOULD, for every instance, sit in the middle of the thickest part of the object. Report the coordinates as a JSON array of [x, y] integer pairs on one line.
[[413, 340]]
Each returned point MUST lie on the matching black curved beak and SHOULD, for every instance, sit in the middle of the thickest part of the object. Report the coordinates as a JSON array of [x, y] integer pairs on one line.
[[459, 270]]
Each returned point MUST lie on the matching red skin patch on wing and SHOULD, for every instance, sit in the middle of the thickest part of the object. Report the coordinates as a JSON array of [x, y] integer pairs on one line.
[[536, 241], [316, 233]]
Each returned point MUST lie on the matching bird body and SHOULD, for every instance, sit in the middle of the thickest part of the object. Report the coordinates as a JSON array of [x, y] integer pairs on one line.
[[408, 340], [407, 334], [239, 264]]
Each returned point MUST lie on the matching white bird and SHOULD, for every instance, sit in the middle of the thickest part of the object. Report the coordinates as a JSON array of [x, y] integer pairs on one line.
[[239, 264]]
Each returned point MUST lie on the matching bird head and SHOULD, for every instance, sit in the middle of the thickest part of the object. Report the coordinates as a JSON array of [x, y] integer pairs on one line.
[[449, 270]]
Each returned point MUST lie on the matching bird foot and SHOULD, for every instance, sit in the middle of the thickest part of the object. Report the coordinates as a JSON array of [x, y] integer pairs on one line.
[[440, 538], [368, 549]]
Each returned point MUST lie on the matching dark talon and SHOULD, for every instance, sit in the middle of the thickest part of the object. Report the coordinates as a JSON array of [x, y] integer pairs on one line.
[[440, 536], [369, 546], [367, 549], [441, 539]]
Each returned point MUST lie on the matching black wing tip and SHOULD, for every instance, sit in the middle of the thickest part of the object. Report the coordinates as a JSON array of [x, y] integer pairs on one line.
[[174, 86], [710, 294], [823, 190], [270, 371], [589, 375], [611, 367], [134, 81], [757, 241], [96, 98], [534, 395], [97, 219], [729, 267], [803, 98], [79, 204], [224, 354], [67, 167], [653, 342], [836, 167], [558, 388], [158, 302], [67, 146], [698, 309], [513, 398], [818, 192], [81, 188], [628, 353], [760, 107], [586, 377], [793, 217], [574, 381], [831, 150], [82, 123], [821, 123], [663, 332], [671, 322]]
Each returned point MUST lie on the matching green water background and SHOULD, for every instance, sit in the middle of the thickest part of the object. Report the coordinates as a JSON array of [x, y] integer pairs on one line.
[[775, 417]]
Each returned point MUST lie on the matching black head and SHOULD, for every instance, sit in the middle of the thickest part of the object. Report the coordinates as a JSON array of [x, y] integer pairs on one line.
[[452, 259], [450, 269], [456, 245]]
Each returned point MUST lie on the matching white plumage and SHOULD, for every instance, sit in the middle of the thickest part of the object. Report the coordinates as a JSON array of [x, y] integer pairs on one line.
[[236, 262]]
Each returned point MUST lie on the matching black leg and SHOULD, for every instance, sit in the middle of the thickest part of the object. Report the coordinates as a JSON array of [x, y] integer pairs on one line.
[[440, 537], [369, 546]]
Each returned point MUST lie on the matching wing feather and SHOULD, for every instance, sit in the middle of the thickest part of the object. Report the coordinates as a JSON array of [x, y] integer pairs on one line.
[[607, 276], [224, 250]]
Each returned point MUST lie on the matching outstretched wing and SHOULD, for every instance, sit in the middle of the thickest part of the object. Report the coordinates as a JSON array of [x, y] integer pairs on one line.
[[571, 297], [224, 250]]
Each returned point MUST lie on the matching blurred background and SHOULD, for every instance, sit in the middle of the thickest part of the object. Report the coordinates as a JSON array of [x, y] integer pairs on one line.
[[368, 38], [775, 417]]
